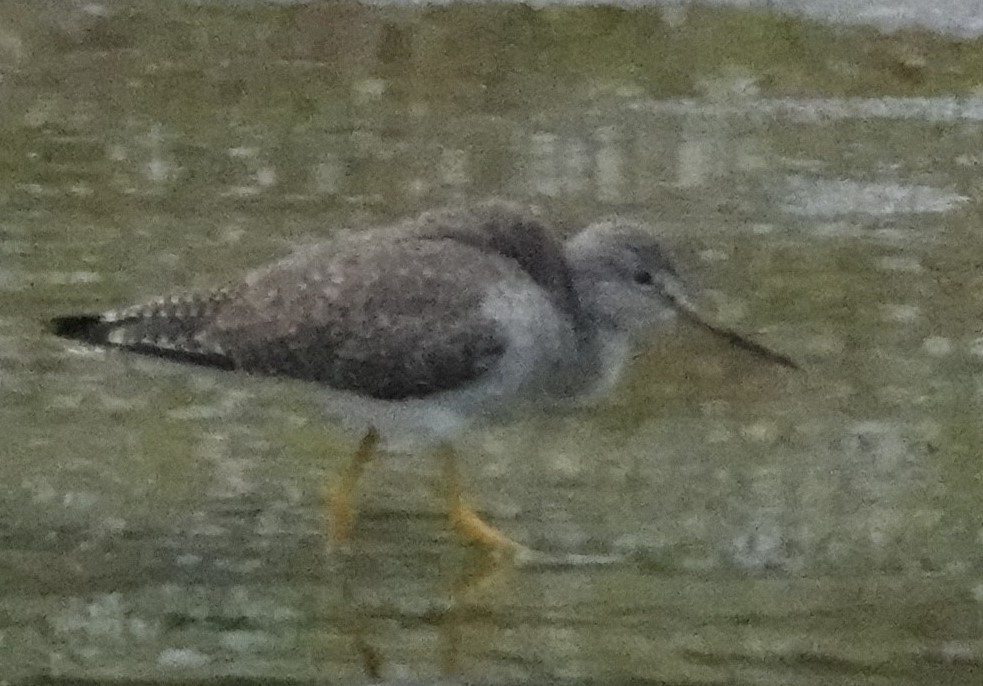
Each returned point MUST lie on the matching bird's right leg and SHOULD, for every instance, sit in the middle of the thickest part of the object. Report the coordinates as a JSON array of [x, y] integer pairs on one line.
[[340, 496], [464, 520]]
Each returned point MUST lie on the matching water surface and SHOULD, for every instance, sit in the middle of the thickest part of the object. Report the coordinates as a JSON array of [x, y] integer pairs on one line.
[[820, 187]]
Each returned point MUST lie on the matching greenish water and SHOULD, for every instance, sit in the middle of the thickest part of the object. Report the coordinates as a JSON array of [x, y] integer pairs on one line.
[[821, 187]]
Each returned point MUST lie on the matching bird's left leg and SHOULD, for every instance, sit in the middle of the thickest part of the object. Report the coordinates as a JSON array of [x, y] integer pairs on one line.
[[340, 496]]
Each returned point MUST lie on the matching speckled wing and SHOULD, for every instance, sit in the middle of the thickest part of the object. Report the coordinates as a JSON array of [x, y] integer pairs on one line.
[[386, 316]]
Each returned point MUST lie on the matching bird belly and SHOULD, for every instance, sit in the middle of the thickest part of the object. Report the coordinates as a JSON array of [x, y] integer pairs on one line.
[[403, 426]]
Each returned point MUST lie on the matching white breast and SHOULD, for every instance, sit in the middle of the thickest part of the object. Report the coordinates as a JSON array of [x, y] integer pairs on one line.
[[539, 342]]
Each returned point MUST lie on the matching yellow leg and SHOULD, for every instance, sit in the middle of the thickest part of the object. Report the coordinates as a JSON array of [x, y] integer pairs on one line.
[[340, 496], [464, 520], [495, 558]]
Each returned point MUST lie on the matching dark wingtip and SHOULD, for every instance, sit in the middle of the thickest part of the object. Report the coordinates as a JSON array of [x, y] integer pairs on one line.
[[78, 327], [95, 330]]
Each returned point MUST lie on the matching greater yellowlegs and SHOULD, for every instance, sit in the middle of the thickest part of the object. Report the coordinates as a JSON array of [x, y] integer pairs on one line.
[[417, 330]]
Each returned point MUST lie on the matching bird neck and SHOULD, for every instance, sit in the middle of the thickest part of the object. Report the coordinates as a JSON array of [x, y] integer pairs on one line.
[[597, 367]]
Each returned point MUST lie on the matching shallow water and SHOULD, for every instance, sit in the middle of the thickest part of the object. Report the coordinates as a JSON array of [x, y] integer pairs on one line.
[[820, 187]]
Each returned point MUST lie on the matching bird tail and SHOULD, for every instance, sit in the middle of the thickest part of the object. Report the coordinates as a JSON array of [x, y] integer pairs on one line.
[[87, 328], [173, 328]]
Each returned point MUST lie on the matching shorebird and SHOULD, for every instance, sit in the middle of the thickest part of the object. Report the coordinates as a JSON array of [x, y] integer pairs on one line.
[[417, 330]]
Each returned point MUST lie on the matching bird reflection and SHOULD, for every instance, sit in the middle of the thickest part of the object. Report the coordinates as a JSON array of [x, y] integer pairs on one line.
[[460, 598]]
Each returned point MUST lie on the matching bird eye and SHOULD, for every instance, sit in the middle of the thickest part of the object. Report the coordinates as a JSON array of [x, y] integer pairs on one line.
[[643, 278]]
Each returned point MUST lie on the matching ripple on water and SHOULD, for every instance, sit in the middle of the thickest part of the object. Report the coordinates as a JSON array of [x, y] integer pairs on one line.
[[182, 658], [817, 197]]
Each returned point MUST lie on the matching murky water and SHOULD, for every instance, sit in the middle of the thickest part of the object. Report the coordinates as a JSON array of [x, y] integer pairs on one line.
[[159, 523]]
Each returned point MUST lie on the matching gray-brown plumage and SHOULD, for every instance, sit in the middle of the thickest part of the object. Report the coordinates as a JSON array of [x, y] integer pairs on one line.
[[469, 310], [383, 313]]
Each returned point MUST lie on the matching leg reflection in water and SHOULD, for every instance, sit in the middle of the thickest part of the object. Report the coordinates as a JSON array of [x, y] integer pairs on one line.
[[450, 614]]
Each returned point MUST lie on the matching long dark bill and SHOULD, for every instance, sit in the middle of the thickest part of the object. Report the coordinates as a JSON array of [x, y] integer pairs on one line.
[[732, 337]]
